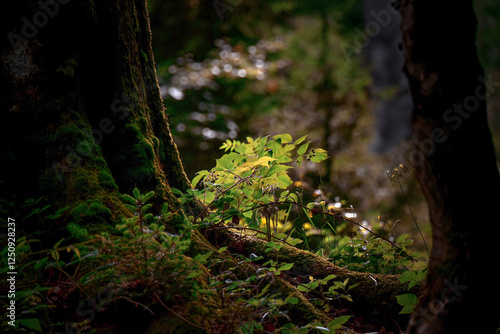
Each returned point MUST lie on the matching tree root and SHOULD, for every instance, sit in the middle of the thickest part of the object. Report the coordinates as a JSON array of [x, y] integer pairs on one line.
[[373, 297]]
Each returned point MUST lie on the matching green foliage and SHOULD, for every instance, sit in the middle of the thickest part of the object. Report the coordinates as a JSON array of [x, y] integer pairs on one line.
[[31, 294], [412, 277], [249, 191], [250, 182], [408, 301], [331, 327], [373, 254]]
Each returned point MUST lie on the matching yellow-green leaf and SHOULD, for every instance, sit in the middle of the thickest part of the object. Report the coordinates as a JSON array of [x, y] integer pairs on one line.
[[285, 138], [303, 149]]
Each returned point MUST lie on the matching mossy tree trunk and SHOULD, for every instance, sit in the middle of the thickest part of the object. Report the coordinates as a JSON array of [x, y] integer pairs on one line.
[[82, 117], [82, 122], [455, 164]]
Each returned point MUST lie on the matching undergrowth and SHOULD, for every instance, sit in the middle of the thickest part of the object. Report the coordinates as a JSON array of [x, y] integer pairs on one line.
[[144, 264]]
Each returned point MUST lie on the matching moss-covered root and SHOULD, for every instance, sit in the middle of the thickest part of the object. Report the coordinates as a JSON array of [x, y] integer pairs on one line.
[[302, 312], [375, 294]]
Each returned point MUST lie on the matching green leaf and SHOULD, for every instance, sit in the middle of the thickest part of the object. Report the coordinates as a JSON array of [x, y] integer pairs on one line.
[[31, 323], [284, 180], [58, 243], [407, 309], [408, 301], [300, 140], [294, 241], [291, 300], [262, 161], [29, 201], [308, 286], [225, 164], [198, 177], [337, 322], [318, 155], [277, 168], [175, 191], [289, 148], [327, 278], [419, 265], [281, 236], [303, 149], [286, 266], [285, 138]]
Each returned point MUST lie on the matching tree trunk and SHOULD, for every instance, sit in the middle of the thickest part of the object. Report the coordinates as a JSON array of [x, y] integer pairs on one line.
[[454, 162], [82, 117]]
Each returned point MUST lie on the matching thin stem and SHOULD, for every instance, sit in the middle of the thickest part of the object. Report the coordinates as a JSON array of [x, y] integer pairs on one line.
[[136, 303], [413, 217], [177, 314]]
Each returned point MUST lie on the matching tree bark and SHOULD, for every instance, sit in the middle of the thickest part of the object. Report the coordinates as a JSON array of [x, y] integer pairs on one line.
[[454, 161], [82, 116], [374, 297]]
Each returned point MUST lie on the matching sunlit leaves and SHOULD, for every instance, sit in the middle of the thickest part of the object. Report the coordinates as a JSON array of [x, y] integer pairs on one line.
[[284, 138], [249, 182]]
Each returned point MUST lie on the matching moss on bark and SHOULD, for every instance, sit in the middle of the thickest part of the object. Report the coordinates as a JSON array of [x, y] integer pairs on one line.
[[375, 295]]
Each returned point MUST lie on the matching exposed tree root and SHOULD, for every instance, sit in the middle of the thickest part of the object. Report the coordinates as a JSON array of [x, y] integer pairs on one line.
[[374, 296]]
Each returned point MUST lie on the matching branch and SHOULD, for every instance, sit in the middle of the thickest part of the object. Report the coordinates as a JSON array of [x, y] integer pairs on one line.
[[177, 314]]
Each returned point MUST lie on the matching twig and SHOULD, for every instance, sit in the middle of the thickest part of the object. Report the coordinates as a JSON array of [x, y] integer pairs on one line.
[[177, 314], [413, 217], [135, 303]]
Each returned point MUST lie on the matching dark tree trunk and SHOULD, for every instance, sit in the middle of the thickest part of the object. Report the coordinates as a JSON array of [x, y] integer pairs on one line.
[[454, 162], [82, 118]]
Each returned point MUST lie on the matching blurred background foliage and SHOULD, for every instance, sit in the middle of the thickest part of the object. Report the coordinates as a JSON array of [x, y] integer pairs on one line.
[[235, 68]]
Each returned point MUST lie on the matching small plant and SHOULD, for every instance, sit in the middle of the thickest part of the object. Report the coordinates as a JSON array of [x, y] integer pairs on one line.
[[249, 184], [413, 277], [374, 255], [31, 294]]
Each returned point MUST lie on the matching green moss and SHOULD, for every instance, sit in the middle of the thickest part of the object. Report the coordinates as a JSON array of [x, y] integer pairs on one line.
[[69, 134], [134, 162], [91, 215], [77, 232], [302, 312], [81, 182], [143, 123], [107, 180], [156, 142]]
